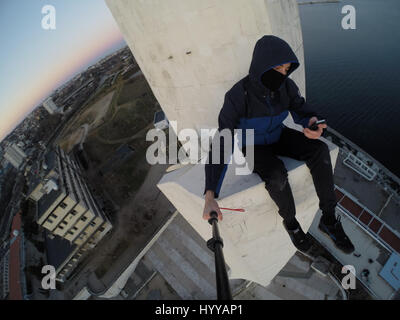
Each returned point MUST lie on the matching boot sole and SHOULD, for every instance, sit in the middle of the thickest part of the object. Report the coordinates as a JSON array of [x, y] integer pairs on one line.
[[302, 251], [334, 243]]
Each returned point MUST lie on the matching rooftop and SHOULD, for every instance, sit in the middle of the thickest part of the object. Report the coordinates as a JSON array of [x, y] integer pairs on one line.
[[368, 204], [47, 200], [38, 172]]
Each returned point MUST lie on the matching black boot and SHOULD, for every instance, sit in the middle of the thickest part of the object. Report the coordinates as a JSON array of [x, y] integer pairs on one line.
[[300, 240], [336, 233]]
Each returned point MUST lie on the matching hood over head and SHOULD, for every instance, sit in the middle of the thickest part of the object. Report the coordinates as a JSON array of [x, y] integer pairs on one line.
[[271, 51]]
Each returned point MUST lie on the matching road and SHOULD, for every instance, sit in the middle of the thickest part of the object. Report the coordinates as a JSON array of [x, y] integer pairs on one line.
[[13, 207]]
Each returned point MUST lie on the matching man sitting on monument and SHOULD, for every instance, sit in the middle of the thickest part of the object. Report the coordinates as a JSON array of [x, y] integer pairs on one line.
[[261, 101]]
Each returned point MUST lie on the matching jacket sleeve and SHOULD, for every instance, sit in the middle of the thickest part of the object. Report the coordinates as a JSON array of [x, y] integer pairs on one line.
[[300, 110], [214, 172]]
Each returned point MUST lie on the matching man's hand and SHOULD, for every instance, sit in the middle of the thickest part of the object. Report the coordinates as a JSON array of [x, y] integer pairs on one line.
[[211, 205], [311, 134]]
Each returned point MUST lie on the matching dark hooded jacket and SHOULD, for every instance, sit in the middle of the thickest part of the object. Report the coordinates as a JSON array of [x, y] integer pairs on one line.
[[249, 104]]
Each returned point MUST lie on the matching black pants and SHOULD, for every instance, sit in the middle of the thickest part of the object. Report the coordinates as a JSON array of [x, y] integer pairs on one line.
[[315, 153]]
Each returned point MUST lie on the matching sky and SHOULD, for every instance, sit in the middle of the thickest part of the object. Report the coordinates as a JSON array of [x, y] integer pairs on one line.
[[34, 61]]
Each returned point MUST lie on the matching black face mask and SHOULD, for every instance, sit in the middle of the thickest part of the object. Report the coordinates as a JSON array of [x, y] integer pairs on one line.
[[272, 79]]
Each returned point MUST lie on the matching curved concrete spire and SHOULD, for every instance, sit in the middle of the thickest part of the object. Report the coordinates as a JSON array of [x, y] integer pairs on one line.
[[191, 52]]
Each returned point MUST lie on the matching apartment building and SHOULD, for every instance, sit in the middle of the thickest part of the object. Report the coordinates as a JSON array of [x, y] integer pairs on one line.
[[67, 209], [50, 106], [15, 155], [43, 177]]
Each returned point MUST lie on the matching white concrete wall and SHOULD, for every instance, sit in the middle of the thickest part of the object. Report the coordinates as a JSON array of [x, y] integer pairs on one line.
[[256, 246], [220, 36], [191, 52], [120, 283], [116, 287]]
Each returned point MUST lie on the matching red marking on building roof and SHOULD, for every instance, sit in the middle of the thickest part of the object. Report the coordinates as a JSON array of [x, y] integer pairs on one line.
[[339, 195], [14, 262], [365, 217], [390, 238], [375, 225], [351, 206]]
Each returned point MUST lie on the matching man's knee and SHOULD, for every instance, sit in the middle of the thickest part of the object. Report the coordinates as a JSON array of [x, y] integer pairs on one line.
[[319, 146], [321, 152], [324, 149], [277, 180]]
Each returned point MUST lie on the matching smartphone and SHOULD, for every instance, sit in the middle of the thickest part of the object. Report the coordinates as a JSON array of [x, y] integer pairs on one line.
[[314, 126]]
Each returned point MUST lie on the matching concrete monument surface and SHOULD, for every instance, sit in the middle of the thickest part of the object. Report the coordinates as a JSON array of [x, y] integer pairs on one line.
[[191, 52]]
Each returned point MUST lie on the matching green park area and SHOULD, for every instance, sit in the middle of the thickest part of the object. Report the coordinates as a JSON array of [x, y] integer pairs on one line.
[[116, 117], [112, 130]]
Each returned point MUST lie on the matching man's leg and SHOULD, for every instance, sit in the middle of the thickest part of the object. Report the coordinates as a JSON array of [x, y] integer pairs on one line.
[[273, 172], [315, 153]]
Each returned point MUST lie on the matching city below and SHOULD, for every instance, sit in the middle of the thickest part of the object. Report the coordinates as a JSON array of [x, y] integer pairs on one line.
[[84, 216]]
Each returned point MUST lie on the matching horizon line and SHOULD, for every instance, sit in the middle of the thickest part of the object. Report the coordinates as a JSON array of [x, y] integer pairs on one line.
[[67, 80]]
